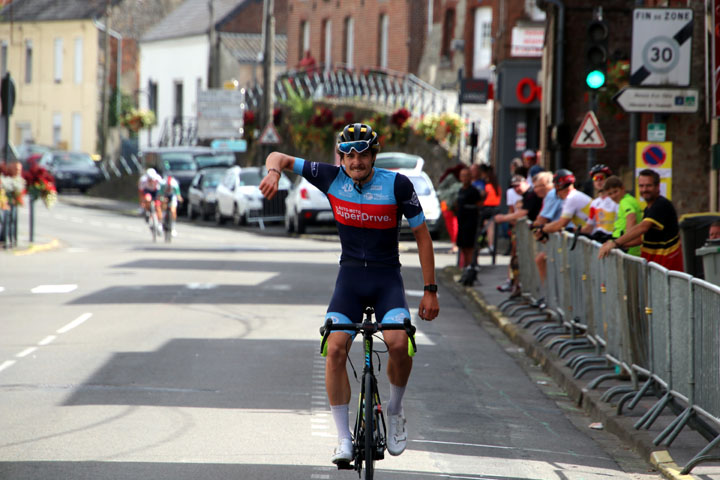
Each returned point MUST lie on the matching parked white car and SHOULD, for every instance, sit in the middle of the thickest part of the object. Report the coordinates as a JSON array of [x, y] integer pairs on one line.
[[306, 205], [411, 166], [238, 197]]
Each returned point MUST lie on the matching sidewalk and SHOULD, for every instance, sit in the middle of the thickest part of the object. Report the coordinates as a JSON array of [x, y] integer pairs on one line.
[[667, 460]]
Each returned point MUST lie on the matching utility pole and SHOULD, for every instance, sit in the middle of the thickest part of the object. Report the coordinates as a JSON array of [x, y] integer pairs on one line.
[[213, 80], [104, 113], [268, 61]]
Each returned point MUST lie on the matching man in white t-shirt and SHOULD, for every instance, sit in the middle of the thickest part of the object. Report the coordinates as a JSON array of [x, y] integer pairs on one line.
[[603, 210], [576, 205]]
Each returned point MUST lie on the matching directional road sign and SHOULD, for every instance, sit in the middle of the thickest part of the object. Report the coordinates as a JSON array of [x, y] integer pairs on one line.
[[666, 100], [589, 134], [661, 46]]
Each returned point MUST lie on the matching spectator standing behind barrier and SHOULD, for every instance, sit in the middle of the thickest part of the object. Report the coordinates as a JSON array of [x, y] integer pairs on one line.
[[629, 210], [530, 161], [550, 212], [491, 203], [530, 207], [511, 196], [714, 233], [576, 204], [447, 194], [658, 229], [603, 210], [476, 179], [466, 208]]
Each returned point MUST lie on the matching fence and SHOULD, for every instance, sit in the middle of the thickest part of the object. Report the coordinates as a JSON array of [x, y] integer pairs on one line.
[[272, 210], [379, 87], [633, 320]]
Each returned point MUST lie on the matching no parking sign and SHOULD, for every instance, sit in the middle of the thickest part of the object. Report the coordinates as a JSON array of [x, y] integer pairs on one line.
[[655, 156]]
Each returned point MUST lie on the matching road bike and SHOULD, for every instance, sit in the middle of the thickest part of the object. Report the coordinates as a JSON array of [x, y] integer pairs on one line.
[[168, 220], [369, 436], [151, 216]]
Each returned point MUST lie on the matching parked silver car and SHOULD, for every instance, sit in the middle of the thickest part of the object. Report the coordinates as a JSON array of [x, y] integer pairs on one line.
[[306, 205], [201, 194]]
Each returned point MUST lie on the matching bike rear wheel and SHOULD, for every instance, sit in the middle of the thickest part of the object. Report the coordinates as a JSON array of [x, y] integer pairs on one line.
[[153, 226], [369, 427]]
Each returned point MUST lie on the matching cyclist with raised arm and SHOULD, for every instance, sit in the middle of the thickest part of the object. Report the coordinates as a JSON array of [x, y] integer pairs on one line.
[[148, 190], [368, 204]]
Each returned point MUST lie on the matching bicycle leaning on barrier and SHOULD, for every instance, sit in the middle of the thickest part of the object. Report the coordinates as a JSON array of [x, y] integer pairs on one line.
[[370, 434]]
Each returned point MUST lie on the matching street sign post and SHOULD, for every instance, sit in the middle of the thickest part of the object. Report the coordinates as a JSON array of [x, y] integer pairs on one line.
[[658, 100], [589, 134], [661, 46], [220, 113]]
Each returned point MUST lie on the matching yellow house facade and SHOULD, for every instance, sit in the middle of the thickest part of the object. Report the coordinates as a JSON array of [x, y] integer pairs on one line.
[[57, 72]]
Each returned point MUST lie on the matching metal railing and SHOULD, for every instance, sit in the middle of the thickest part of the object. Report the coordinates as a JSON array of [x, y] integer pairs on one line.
[[273, 210], [379, 87], [178, 131], [634, 320]]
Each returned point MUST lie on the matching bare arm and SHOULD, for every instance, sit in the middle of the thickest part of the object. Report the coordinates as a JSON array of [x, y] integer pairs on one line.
[[275, 163], [508, 217], [630, 238], [429, 306], [556, 226]]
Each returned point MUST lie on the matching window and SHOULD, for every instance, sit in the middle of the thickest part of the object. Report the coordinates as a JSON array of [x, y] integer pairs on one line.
[[76, 132], [57, 129], [58, 60], [448, 32], [383, 41], [327, 41], [78, 70], [349, 41], [152, 96], [482, 50], [178, 102], [304, 39], [28, 61], [3, 58]]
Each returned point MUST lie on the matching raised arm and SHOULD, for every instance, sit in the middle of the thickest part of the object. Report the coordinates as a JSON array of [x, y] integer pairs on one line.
[[275, 163]]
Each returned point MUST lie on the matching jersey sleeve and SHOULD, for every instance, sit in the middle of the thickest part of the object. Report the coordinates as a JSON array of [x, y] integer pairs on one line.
[[408, 201], [319, 174]]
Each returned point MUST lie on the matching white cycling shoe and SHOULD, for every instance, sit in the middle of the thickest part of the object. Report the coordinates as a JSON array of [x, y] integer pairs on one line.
[[343, 452], [397, 434]]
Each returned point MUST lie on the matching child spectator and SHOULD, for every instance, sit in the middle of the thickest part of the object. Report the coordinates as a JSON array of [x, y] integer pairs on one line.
[[629, 210]]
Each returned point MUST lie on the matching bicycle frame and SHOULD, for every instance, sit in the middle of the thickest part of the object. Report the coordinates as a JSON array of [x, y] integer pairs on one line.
[[369, 411]]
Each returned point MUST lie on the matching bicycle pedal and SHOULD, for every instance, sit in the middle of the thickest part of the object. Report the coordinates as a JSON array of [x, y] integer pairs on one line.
[[344, 466]]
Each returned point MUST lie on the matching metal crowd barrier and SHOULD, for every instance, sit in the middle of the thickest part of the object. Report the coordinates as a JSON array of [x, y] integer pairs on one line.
[[637, 319], [273, 210]]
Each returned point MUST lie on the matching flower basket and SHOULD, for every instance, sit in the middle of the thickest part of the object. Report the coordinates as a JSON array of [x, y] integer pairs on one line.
[[41, 185]]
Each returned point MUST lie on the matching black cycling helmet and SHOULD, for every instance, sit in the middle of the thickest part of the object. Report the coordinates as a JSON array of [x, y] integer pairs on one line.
[[600, 168], [358, 137], [563, 178]]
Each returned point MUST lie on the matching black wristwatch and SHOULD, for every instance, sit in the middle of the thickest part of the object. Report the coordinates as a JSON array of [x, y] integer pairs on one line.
[[431, 288]]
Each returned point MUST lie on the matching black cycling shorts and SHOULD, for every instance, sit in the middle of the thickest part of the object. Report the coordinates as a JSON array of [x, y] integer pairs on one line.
[[358, 287]]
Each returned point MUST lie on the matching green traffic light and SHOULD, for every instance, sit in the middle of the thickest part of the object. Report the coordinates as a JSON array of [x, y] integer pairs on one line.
[[595, 79]]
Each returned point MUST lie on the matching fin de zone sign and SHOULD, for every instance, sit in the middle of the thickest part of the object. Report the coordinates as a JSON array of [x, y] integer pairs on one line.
[[589, 134]]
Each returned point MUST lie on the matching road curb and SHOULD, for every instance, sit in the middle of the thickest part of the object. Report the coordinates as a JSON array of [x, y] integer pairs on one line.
[[589, 400]]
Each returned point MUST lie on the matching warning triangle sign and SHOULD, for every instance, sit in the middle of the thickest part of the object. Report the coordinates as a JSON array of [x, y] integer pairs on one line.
[[269, 135], [589, 134]]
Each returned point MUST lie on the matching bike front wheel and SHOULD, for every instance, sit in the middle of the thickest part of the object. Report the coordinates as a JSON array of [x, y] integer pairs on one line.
[[369, 412]]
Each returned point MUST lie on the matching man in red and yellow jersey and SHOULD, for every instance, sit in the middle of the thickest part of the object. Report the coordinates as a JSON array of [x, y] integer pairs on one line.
[[658, 231]]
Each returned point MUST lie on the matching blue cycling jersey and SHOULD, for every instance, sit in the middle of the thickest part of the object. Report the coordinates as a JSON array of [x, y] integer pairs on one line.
[[368, 220]]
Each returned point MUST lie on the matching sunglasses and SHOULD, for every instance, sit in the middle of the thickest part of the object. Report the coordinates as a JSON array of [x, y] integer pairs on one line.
[[598, 176], [358, 145]]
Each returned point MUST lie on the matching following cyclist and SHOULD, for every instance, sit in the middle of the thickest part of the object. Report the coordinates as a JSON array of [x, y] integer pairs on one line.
[[171, 195], [368, 204], [148, 188]]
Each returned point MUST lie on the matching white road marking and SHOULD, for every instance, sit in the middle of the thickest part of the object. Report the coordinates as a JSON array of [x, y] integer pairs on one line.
[[414, 293], [2, 289], [6, 364], [47, 340], [201, 286], [77, 220], [60, 216], [54, 288], [26, 352], [319, 475], [95, 223], [78, 321]]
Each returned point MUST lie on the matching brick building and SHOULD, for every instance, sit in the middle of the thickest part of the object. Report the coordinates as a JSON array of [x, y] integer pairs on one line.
[[688, 132], [365, 34]]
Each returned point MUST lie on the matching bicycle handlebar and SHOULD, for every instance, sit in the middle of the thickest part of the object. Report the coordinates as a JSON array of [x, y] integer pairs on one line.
[[367, 327]]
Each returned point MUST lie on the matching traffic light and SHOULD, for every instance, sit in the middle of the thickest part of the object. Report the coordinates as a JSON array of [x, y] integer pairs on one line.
[[596, 54]]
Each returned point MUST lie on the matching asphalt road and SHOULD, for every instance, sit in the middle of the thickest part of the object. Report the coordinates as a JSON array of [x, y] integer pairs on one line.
[[124, 359]]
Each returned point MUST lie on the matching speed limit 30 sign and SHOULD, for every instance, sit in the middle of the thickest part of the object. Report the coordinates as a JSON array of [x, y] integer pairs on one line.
[[661, 46]]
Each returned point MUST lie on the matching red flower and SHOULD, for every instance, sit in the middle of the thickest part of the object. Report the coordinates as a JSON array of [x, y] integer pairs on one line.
[[399, 118], [249, 117]]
